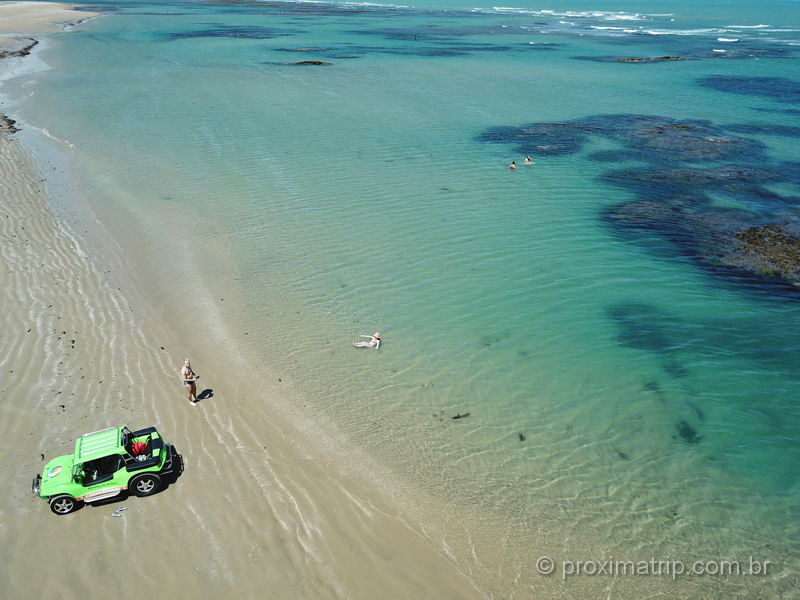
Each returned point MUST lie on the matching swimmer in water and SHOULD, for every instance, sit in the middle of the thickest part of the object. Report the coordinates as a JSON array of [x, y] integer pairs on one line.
[[374, 341], [513, 165], [528, 160]]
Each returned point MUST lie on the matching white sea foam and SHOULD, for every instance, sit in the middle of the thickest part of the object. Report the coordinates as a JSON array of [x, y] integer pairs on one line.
[[718, 50], [374, 4], [721, 39], [624, 17], [748, 26], [613, 30], [370, 4], [682, 31], [780, 41], [594, 14], [49, 135]]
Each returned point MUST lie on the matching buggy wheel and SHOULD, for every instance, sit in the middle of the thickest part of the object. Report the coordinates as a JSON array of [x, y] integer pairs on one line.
[[145, 485], [63, 505]]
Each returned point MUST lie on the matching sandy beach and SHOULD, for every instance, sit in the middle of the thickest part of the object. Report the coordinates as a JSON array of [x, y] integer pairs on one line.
[[257, 510], [37, 17]]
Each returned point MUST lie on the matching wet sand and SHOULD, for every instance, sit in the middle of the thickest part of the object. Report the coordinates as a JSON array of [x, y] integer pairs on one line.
[[258, 511], [37, 17]]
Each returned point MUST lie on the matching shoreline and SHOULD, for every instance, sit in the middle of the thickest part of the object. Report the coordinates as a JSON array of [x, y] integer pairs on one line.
[[330, 536]]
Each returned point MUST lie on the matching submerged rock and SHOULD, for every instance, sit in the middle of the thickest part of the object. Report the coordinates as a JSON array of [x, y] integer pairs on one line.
[[651, 386], [649, 59], [646, 138], [311, 62], [16, 47], [310, 49], [250, 32], [771, 249], [754, 128], [690, 52], [777, 88], [8, 125], [687, 432], [646, 327], [689, 166], [631, 59], [641, 326]]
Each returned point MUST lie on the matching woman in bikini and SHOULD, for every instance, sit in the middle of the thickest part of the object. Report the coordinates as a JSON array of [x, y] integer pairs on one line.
[[374, 341], [189, 377]]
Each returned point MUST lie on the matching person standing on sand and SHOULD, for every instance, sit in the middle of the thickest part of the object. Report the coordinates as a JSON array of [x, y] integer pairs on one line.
[[189, 377], [374, 341]]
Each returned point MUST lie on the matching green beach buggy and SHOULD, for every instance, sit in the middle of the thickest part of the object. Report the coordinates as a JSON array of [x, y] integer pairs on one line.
[[105, 464]]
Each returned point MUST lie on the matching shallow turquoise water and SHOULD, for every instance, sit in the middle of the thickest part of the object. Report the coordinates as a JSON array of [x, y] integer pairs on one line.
[[594, 363]]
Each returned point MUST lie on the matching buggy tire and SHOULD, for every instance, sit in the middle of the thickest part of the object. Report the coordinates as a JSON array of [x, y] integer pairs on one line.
[[145, 484], [63, 504]]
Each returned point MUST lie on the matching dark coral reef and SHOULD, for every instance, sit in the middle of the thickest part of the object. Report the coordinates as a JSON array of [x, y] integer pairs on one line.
[[8, 125], [17, 47], [777, 88], [771, 249], [684, 168], [631, 59]]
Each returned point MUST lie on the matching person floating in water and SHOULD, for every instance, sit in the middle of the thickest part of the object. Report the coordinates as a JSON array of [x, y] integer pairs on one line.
[[528, 160], [513, 165], [374, 341]]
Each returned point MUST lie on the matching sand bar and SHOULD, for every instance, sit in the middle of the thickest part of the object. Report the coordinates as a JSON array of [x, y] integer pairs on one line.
[[37, 17], [257, 508], [252, 511]]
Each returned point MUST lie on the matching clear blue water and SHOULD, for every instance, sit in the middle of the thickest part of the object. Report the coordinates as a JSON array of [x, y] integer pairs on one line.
[[620, 385]]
